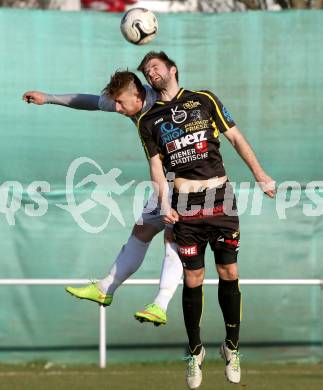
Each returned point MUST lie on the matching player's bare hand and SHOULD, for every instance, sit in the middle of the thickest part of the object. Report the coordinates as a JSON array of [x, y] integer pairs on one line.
[[267, 184], [34, 97], [171, 217]]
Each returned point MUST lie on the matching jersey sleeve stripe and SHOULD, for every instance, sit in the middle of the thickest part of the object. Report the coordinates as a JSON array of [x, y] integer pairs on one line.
[[216, 107]]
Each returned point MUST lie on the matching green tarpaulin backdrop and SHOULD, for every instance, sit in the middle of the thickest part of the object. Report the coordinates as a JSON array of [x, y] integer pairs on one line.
[[266, 68]]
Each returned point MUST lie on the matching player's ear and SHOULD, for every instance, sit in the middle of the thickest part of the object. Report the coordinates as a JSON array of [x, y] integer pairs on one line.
[[173, 70]]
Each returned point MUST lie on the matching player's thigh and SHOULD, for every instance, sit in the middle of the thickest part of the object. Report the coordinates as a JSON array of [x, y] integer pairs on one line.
[[145, 232], [225, 242], [150, 222], [192, 241]]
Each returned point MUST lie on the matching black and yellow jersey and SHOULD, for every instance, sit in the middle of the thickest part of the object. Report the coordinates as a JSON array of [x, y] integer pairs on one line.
[[185, 133]]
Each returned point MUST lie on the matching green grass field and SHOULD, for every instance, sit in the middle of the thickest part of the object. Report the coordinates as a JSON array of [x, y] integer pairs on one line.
[[157, 377]]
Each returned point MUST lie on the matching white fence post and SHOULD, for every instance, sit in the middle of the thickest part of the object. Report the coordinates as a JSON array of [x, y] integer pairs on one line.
[[102, 332]]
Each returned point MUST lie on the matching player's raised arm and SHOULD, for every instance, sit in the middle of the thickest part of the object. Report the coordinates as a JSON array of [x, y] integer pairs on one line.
[[245, 151], [76, 101]]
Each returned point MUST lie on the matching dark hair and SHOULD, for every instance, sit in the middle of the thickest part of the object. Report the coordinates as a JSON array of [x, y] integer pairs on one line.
[[120, 81], [162, 56]]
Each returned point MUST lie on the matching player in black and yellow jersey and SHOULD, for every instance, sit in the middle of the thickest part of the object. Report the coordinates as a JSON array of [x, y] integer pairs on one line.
[[180, 135]]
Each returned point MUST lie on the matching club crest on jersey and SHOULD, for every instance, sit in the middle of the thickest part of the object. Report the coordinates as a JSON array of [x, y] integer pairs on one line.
[[189, 139], [196, 115], [201, 147], [178, 116]]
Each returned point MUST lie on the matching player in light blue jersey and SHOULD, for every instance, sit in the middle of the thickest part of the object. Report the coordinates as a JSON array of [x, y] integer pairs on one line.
[[126, 95]]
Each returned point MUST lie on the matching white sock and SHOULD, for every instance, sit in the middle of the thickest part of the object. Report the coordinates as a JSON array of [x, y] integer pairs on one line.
[[128, 261], [170, 277]]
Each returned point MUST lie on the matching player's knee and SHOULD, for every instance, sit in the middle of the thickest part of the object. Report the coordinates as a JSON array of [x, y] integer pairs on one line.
[[194, 278], [144, 232], [228, 271]]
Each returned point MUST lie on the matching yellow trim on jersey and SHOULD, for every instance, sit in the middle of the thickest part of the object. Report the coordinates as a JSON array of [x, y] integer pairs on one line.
[[142, 141], [180, 93], [216, 107], [161, 103], [216, 132]]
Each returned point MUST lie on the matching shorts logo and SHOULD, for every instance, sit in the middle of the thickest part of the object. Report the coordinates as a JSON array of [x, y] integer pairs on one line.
[[234, 243], [201, 147], [178, 116], [188, 251], [187, 140]]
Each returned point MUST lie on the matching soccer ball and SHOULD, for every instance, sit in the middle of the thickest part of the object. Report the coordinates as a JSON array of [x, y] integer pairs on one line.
[[139, 26]]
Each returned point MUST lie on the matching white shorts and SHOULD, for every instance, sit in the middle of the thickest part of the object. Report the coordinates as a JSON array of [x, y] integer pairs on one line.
[[151, 215]]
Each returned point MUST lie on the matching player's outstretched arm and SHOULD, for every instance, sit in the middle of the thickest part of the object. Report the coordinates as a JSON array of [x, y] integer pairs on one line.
[[76, 101], [246, 152], [35, 97]]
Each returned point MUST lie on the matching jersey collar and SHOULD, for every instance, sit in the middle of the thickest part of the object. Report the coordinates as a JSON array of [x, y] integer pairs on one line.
[[180, 92]]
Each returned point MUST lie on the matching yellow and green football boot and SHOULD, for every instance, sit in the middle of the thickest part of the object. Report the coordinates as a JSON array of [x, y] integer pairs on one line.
[[92, 293], [152, 313]]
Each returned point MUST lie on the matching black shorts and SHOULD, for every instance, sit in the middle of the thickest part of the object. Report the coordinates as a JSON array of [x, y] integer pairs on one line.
[[216, 224]]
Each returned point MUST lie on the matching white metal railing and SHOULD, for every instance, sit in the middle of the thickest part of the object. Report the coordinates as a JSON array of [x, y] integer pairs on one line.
[[141, 282]]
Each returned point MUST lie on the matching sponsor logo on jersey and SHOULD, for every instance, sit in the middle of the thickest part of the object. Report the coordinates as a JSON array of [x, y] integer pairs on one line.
[[190, 104], [188, 251], [187, 140], [169, 132], [190, 127], [187, 156], [227, 114], [196, 115], [158, 121], [201, 147], [178, 116]]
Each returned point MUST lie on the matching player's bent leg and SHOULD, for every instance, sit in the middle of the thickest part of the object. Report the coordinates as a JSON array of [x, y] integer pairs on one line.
[[132, 253], [127, 262]]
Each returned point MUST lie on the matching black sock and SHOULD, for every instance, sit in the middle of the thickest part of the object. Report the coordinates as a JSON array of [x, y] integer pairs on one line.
[[192, 301], [230, 302]]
